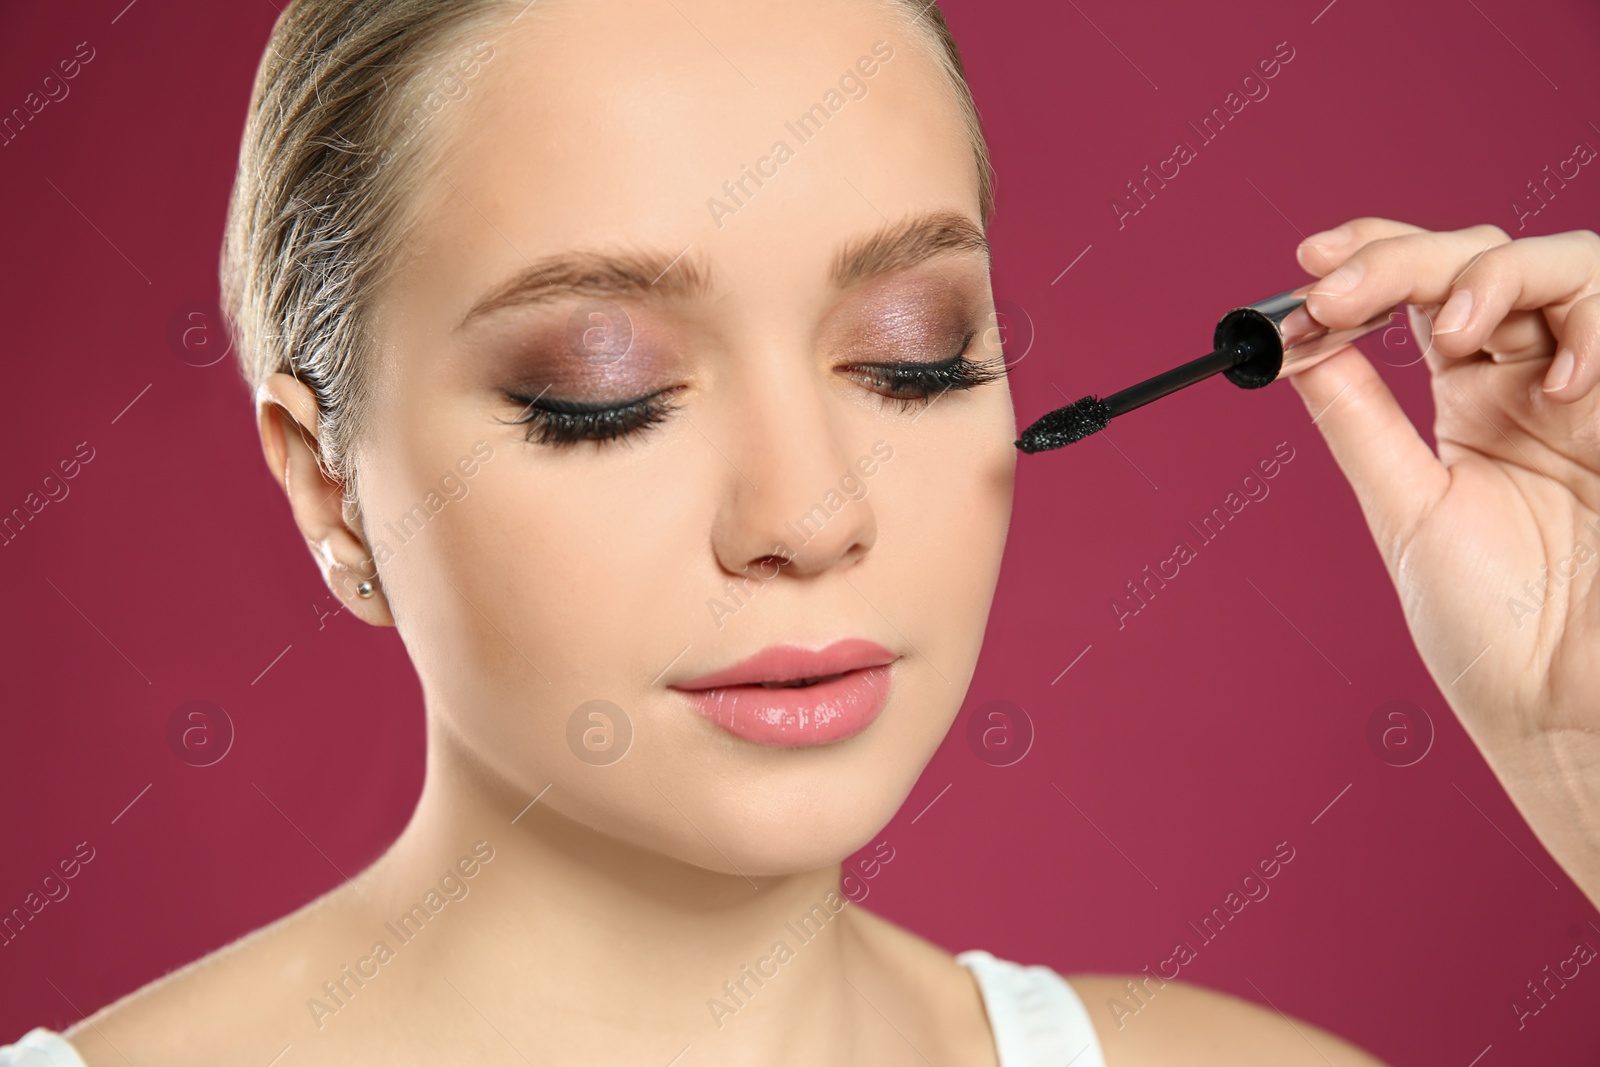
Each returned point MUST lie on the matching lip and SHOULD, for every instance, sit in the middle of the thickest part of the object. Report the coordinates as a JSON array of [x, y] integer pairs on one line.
[[856, 675]]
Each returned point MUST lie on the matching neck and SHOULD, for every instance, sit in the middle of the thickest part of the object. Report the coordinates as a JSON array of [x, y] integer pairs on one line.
[[576, 941]]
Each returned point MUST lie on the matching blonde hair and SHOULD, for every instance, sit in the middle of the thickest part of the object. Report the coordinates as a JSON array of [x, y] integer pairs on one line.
[[328, 165]]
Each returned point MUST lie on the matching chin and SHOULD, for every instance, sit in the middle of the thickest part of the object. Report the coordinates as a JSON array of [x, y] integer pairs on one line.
[[704, 798], [783, 810]]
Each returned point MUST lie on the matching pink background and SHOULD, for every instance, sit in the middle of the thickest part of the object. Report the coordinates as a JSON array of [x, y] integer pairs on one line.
[[1175, 753]]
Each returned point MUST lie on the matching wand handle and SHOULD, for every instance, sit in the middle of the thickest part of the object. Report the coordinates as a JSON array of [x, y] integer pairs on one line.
[[1171, 381], [1277, 337]]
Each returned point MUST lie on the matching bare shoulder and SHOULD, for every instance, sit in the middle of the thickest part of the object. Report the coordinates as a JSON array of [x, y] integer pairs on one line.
[[1144, 1022]]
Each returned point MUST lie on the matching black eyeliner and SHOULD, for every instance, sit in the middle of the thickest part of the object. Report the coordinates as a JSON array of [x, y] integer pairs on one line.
[[559, 422], [956, 372]]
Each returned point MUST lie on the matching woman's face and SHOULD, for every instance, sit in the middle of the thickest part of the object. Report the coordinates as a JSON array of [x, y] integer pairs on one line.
[[596, 234]]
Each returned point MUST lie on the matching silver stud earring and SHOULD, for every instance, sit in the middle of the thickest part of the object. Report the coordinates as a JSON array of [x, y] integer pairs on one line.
[[364, 590]]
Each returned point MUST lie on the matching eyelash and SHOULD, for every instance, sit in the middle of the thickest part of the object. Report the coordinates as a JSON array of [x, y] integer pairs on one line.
[[563, 423], [929, 381]]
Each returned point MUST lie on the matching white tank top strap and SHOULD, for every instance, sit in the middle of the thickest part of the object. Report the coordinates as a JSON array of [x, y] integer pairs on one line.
[[1037, 1017], [40, 1048]]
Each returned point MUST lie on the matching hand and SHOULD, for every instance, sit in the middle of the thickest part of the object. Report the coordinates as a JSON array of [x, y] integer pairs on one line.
[[1494, 544]]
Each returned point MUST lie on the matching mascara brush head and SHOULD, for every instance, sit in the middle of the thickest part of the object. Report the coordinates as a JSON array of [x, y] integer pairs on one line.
[[1065, 425], [1092, 414]]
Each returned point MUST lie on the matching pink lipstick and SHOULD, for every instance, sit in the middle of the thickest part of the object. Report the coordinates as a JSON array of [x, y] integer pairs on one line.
[[788, 696]]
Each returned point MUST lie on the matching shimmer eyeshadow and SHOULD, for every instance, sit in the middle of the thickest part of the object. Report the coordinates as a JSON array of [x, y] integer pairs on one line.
[[917, 317], [598, 351]]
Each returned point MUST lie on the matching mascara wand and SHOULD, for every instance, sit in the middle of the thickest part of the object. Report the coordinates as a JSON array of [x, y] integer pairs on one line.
[[1254, 346]]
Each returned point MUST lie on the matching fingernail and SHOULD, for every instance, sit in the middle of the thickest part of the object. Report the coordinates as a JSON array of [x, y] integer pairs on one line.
[[1560, 372], [1330, 238], [1455, 313], [1421, 325], [1315, 253], [1341, 281]]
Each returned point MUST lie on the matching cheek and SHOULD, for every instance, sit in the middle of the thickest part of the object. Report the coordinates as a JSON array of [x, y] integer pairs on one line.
[[554, 583], [943, 510], [543, 550]]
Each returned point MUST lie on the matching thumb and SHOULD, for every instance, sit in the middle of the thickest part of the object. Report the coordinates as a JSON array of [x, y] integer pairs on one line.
[[1396, 477]]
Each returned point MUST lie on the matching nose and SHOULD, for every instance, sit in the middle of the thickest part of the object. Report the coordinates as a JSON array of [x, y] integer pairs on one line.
[[796, 500]]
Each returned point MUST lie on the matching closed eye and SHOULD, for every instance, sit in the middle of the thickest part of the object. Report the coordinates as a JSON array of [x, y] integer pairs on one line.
[[913, 382], [563, 423]]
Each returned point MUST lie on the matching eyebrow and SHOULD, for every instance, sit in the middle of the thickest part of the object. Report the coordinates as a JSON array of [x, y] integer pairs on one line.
[[684, 277], [906, 244]]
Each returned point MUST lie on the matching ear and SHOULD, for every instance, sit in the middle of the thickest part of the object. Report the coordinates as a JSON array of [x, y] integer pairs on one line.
[[286, 416]]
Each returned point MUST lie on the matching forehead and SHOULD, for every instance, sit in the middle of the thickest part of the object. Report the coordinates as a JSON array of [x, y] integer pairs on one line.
[[732, 131]]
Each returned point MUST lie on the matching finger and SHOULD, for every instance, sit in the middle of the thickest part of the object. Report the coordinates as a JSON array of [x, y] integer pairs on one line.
[[1576, 367], [1322, 252], [1395, 475], [1420, 317], [1524, 335], [1415, 268], [1547, 273]]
